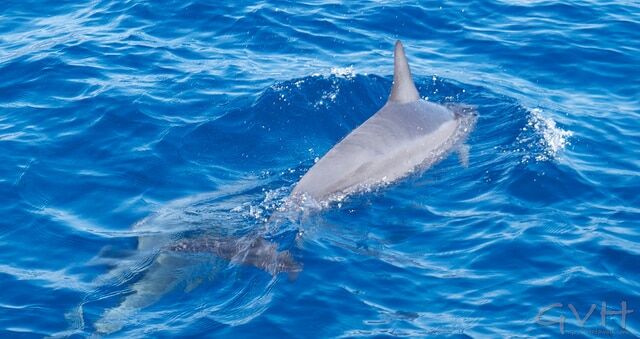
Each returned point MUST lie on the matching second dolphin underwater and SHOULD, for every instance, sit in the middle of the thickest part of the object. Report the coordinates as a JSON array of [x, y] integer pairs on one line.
[[407, 134]]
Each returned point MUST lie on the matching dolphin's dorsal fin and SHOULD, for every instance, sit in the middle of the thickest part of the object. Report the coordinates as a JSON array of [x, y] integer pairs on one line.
[[403, 90]]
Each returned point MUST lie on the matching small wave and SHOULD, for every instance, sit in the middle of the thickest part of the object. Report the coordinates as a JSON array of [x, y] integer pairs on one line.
[[54, 279]]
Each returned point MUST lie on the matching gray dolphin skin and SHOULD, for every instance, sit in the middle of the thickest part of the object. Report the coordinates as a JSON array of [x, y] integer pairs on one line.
[[406, 134], [252, 251]]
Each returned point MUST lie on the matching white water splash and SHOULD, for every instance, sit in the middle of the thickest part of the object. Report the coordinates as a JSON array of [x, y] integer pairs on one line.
[[261, 210], [330, 96], [344, 72], [327, 97], [548, 140]]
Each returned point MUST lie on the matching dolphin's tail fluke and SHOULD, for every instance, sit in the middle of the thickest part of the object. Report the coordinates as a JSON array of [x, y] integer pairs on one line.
[[404, 90]]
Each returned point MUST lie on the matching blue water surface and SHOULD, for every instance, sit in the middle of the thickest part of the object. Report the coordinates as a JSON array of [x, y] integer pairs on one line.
[[120, 119]]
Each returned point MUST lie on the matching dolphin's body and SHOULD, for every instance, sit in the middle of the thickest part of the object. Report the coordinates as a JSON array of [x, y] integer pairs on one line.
[[174, 261], [172, 266], [407, 133]]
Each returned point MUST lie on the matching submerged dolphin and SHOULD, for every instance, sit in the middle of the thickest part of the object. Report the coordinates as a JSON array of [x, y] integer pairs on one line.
[[164, 274], [172, 264], [406, 134]]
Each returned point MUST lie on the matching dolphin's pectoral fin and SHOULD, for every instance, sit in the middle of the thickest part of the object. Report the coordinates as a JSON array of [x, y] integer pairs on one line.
[[463, 155]]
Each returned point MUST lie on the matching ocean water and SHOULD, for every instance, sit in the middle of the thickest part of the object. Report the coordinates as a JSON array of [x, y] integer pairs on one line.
[[125, 120]]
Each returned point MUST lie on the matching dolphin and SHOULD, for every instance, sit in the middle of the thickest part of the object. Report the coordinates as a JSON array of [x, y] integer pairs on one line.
[[172, 267], [405, 135], [176, 258]]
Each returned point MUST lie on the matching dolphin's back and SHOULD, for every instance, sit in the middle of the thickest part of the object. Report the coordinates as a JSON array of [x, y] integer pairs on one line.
[[386, 147]]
